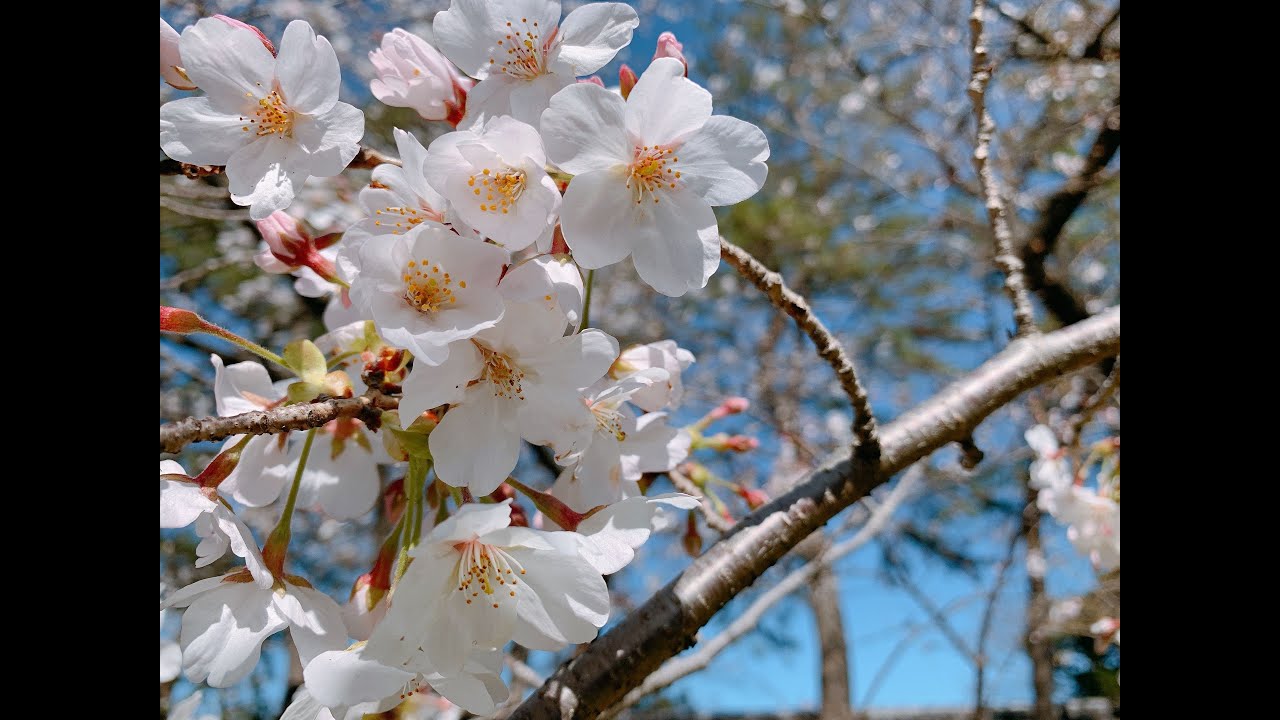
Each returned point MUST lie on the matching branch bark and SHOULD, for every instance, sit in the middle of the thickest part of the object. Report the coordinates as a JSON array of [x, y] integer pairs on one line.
[[668, 622], [303, 416], [1015, 282], [829, 348]]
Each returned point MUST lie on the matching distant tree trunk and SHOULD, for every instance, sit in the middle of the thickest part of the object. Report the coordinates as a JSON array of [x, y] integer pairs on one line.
[[824, 598], [1039, 647]]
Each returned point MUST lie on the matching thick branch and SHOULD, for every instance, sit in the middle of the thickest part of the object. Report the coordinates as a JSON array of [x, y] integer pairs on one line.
[[1058, 209], [1015, 283], [750, 618], [177, 435], [770, 283], [668, 622]]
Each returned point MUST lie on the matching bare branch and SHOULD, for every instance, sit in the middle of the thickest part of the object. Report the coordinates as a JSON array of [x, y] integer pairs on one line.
[[1015, 283], [205, 268], [1091, 406], [770, 283], [177, 435], [750, 618], [668, 622]]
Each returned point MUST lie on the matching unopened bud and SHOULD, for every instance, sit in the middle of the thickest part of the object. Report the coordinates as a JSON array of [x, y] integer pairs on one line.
[[668, 46], [722, 442], [411, 73], [240, 24], [692, 541], [626, 80], [696, 472], [290, 246], [755, 498], [549, 505], [177, 320]]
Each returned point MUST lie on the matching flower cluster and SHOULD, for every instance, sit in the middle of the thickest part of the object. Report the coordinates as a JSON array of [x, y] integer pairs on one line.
[[1092, 515], [464, 297]]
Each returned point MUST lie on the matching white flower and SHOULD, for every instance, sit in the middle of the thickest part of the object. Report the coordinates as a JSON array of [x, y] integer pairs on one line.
[[171, 58], [609, 537], [227, 618], [429, 288], [518, 379], [350, 683], [663, 354], [646, 173], [273, 121], [413, 74], [519, 54], [604, 467], [494, 177], [186, 710], [241, 388], [555, 281], [170, 655], [1095, 527], [183, 502], [476, 583]]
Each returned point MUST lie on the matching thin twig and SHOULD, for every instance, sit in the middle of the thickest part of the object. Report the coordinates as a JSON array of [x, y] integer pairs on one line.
[[1015, 283], [177, 435], [715, 520], [201, 211], [208, 267], [829, 348], [1093, 404], [685, 665], [666, 624]]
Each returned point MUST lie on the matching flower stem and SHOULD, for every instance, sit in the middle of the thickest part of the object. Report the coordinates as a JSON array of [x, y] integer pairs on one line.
[[586, 301], [249, 345], [278, 542]]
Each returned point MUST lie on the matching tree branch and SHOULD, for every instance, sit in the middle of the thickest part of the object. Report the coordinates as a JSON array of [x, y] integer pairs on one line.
[[829, 348], [1015, 283], [1058, 209], [668, 622], [750, 618], [715, 520], [177, 435]]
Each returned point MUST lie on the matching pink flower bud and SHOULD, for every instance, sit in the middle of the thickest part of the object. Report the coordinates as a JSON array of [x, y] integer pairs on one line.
[[177, 320], [240, 24], [171, 60], [290, 247], [668, 46], [626, 80], [550, 506], [594, 80], [413, 74], [722, 442], [692, 541], [730, 406], [755, 498]]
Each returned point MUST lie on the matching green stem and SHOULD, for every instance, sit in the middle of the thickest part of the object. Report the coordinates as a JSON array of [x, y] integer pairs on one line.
[[249, 345], [286, 518], [586, 301], [335, 361], [273, 555]]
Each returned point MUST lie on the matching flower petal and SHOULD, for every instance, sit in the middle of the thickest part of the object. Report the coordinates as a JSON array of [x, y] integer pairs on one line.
[[665, 106], [193, 131], [315, 621], [331, 140], [473, 445], [584, 129], [266, 174], [181, 503], [564, 599], [223, 630], [229, 63], [677, 247], [596, 218], [593, 34], [349, 677], [307, 69], [723, 162], [430, 386]]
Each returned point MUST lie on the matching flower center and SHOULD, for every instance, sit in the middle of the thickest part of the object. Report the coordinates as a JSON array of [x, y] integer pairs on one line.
[[406, 217], [608, 418], [502, 373], [649, 171], [427, 287], [521, 51], [272, 116], [486, 569], [499, 191]]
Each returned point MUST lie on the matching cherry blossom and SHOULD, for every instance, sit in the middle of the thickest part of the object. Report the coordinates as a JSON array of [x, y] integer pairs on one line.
[[476, 583], [518, 379], [413, 74], [183, 502], [272, 121], [241, 388], [647, 172], [171, 58], [227, 618], [663, 354], [351, 683], [609, 537], [493, 175], [429, 288], [521, 56]]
